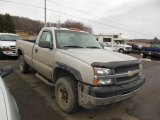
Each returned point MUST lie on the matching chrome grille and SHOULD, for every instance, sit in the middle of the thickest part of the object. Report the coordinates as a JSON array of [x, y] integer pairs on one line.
[[126, 78], [13, 49], [125, 69], [128, 48]]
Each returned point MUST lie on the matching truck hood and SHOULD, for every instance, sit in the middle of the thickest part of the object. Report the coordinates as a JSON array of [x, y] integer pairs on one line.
[[123, 45], [96, 55], [110, 48], [7, 43]]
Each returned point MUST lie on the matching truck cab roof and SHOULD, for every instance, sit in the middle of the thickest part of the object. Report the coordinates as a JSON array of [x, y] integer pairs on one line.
[[68, 29]]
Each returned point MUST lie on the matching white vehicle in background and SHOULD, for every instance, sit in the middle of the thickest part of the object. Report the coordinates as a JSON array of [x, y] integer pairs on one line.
[[116, 41], [8, 44], [106, 46], [122, 47]]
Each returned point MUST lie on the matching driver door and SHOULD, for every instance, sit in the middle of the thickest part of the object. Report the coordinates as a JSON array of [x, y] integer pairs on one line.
[[43, 57]]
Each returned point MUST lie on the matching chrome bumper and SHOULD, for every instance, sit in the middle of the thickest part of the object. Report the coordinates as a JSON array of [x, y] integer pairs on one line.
[[9, 53]]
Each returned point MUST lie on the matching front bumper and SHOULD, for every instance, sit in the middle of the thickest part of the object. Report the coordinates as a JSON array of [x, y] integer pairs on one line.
[[9, 53], [128, 50], [91, 97], [153, 54]]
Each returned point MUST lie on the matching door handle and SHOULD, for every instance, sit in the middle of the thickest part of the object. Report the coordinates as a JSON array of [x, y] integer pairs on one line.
[[36, 50]]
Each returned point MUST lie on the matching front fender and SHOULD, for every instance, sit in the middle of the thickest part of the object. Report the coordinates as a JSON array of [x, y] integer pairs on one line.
[[71, 70]]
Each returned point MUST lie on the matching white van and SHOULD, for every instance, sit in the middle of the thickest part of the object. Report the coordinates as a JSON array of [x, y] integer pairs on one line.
[[117, 41]]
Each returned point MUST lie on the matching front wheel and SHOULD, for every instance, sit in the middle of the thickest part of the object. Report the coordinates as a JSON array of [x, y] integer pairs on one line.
[[1, 55], [66, 94], [121, 50], [24, 67]]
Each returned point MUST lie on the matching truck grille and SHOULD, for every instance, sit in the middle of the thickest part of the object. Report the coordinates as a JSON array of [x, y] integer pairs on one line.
[[123, 70], [128, 48], [13, 49], [127, 79]]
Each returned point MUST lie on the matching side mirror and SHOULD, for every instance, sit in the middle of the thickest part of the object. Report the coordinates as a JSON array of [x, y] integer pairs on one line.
[[45, 44], [4, 71]]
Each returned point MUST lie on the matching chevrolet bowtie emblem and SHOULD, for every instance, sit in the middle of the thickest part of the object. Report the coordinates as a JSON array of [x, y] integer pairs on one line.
[[130, 73]]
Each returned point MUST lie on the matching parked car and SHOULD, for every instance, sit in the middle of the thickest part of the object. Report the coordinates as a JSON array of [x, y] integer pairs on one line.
[[136, 47], [83, 73], [106, 46], [153, 51], [8, 106], [7, 44]]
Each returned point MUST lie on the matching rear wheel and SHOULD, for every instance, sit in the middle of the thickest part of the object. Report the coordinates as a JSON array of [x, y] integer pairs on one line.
[[66, 94], [24, 67]]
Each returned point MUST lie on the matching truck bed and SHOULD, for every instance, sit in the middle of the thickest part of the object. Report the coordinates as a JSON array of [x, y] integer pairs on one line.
[[27, 47], [33, 41]]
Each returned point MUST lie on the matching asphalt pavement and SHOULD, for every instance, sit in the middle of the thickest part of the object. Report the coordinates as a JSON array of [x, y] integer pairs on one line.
[[36, 100]]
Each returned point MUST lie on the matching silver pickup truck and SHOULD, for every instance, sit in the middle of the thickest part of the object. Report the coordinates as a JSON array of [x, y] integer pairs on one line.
[[83, 73]]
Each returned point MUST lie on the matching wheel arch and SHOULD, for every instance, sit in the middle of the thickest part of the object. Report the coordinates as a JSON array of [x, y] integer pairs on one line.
[[66, 70], [19, 52]]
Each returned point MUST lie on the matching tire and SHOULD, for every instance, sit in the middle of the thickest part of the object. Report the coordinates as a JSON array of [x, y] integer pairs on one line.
[[1, 55], [121, 50], [144, 56], [68, 100], [24, 67], [127, 52]]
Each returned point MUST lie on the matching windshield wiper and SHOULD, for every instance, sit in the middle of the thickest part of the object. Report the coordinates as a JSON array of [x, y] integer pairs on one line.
[[93, 47], [72, 46]]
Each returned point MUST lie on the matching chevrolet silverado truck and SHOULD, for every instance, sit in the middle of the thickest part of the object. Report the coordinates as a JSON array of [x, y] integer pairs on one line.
[[8, 44], [153, 51], [83, 73]]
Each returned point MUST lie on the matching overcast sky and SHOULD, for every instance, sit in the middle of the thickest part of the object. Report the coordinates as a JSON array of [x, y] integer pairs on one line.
[[140, 16]]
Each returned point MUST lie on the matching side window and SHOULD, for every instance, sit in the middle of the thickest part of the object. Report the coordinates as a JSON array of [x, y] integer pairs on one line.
[[46, 36], [115, 36], [106, 39]]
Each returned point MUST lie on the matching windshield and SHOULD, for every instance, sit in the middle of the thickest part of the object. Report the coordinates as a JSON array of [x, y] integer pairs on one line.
[[72, 39], [119, 42], [9, 37], [155, 45]]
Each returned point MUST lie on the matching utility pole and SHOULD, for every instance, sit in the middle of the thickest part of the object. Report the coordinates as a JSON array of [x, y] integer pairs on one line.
[[45, 13], [59, 23]]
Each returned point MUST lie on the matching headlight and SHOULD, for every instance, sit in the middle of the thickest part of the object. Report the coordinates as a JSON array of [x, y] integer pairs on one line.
[[100, 76], [5, 48], [102, 71]]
